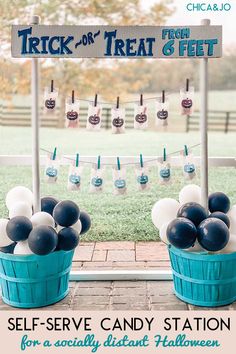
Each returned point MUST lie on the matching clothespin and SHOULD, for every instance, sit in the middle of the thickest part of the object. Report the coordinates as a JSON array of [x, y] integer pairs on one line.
[[187, 85], [52, 85], [185, 150], [95, 100], [99, 162], [77, 160], [141, 99], [54, 155], [141, 160], [164, 154], [118, 102], [73, 96], [163, 96], [118, 163]]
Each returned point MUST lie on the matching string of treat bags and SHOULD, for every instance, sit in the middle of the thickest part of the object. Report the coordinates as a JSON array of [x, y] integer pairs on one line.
[[141, 113], [119, 180]]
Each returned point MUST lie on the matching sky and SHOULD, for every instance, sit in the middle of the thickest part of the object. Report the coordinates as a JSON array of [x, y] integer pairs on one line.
[[184, 17]]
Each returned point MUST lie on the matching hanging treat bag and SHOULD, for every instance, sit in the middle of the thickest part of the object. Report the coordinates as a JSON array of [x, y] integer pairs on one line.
[[96, 179], [189, 169], [74, 176], [50, 97], [119, 179], [94, 116], [117, 119], [142, 175], [162, 110], [140, 117], [72, 112], [52, 167], [186, 99], [164, 171]]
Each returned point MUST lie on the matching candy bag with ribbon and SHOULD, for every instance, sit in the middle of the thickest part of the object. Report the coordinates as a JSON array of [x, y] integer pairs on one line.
[[189, 168], [74, 176], [72, 112], [142, 175], [94, 116], [140, 117], [96, 179], [119, 179], [162, 110], [164, 171], [186, 99], [50, 97], [117, 119], [52, 167]]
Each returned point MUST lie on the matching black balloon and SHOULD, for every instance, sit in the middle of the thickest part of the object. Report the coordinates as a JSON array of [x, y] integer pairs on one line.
[[43, 240], [218, 201], [213, 234], [8, 249], [194, 212], [48, 204], [85, 222], [68, 239], [221, 216], [181, 233], [66, 213], [19, 228]]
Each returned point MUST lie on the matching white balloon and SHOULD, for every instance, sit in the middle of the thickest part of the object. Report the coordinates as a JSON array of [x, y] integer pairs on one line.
[[195, 248], [20, 209], [77, 226], [231, 245], [22, 248], [19, 194], [42, 218], [163, 211], [162, 233], [4, 239], [190, 193], [232, 217]]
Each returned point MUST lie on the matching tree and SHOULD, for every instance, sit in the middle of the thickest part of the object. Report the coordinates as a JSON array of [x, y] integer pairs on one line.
[[84, 77]]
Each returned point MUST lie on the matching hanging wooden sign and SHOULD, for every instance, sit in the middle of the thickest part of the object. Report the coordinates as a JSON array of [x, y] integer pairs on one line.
[[116, 41]]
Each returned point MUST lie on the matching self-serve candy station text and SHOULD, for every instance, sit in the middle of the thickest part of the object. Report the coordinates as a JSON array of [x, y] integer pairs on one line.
[[171, 42]]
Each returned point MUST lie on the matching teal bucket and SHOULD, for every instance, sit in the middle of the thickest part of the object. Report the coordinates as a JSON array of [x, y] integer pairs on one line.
[[34, 281], [204, 279]]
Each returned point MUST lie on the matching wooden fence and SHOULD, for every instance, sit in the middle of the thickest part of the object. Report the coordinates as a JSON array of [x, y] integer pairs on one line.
[[222, 121], [21, 116]]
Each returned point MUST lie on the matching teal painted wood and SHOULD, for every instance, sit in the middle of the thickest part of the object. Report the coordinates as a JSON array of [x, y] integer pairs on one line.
[[35, 281], [204, 279]]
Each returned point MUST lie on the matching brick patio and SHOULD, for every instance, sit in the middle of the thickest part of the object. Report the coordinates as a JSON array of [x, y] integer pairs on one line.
[[121, 255], [122, 295]]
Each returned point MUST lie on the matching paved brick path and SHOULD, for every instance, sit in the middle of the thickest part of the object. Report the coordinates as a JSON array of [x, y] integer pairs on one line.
[[118, 255], [121, 295]]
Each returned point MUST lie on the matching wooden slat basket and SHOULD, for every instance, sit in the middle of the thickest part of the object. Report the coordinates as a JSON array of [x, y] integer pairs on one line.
[[204, 279], [34, 281]]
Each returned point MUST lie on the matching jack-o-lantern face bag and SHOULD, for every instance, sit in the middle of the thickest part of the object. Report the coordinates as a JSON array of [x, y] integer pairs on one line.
[[119, 181], [162, 112], [164, 172], [50, 100], [94, 118], [74, 178], [118, 120], [140, 117], [186, 100], [142, 178], [51, 169], [96, 180], [72, 113], [189, 167]]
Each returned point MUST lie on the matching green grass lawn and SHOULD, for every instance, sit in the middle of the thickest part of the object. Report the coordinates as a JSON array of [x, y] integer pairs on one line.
[[114, 217]]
